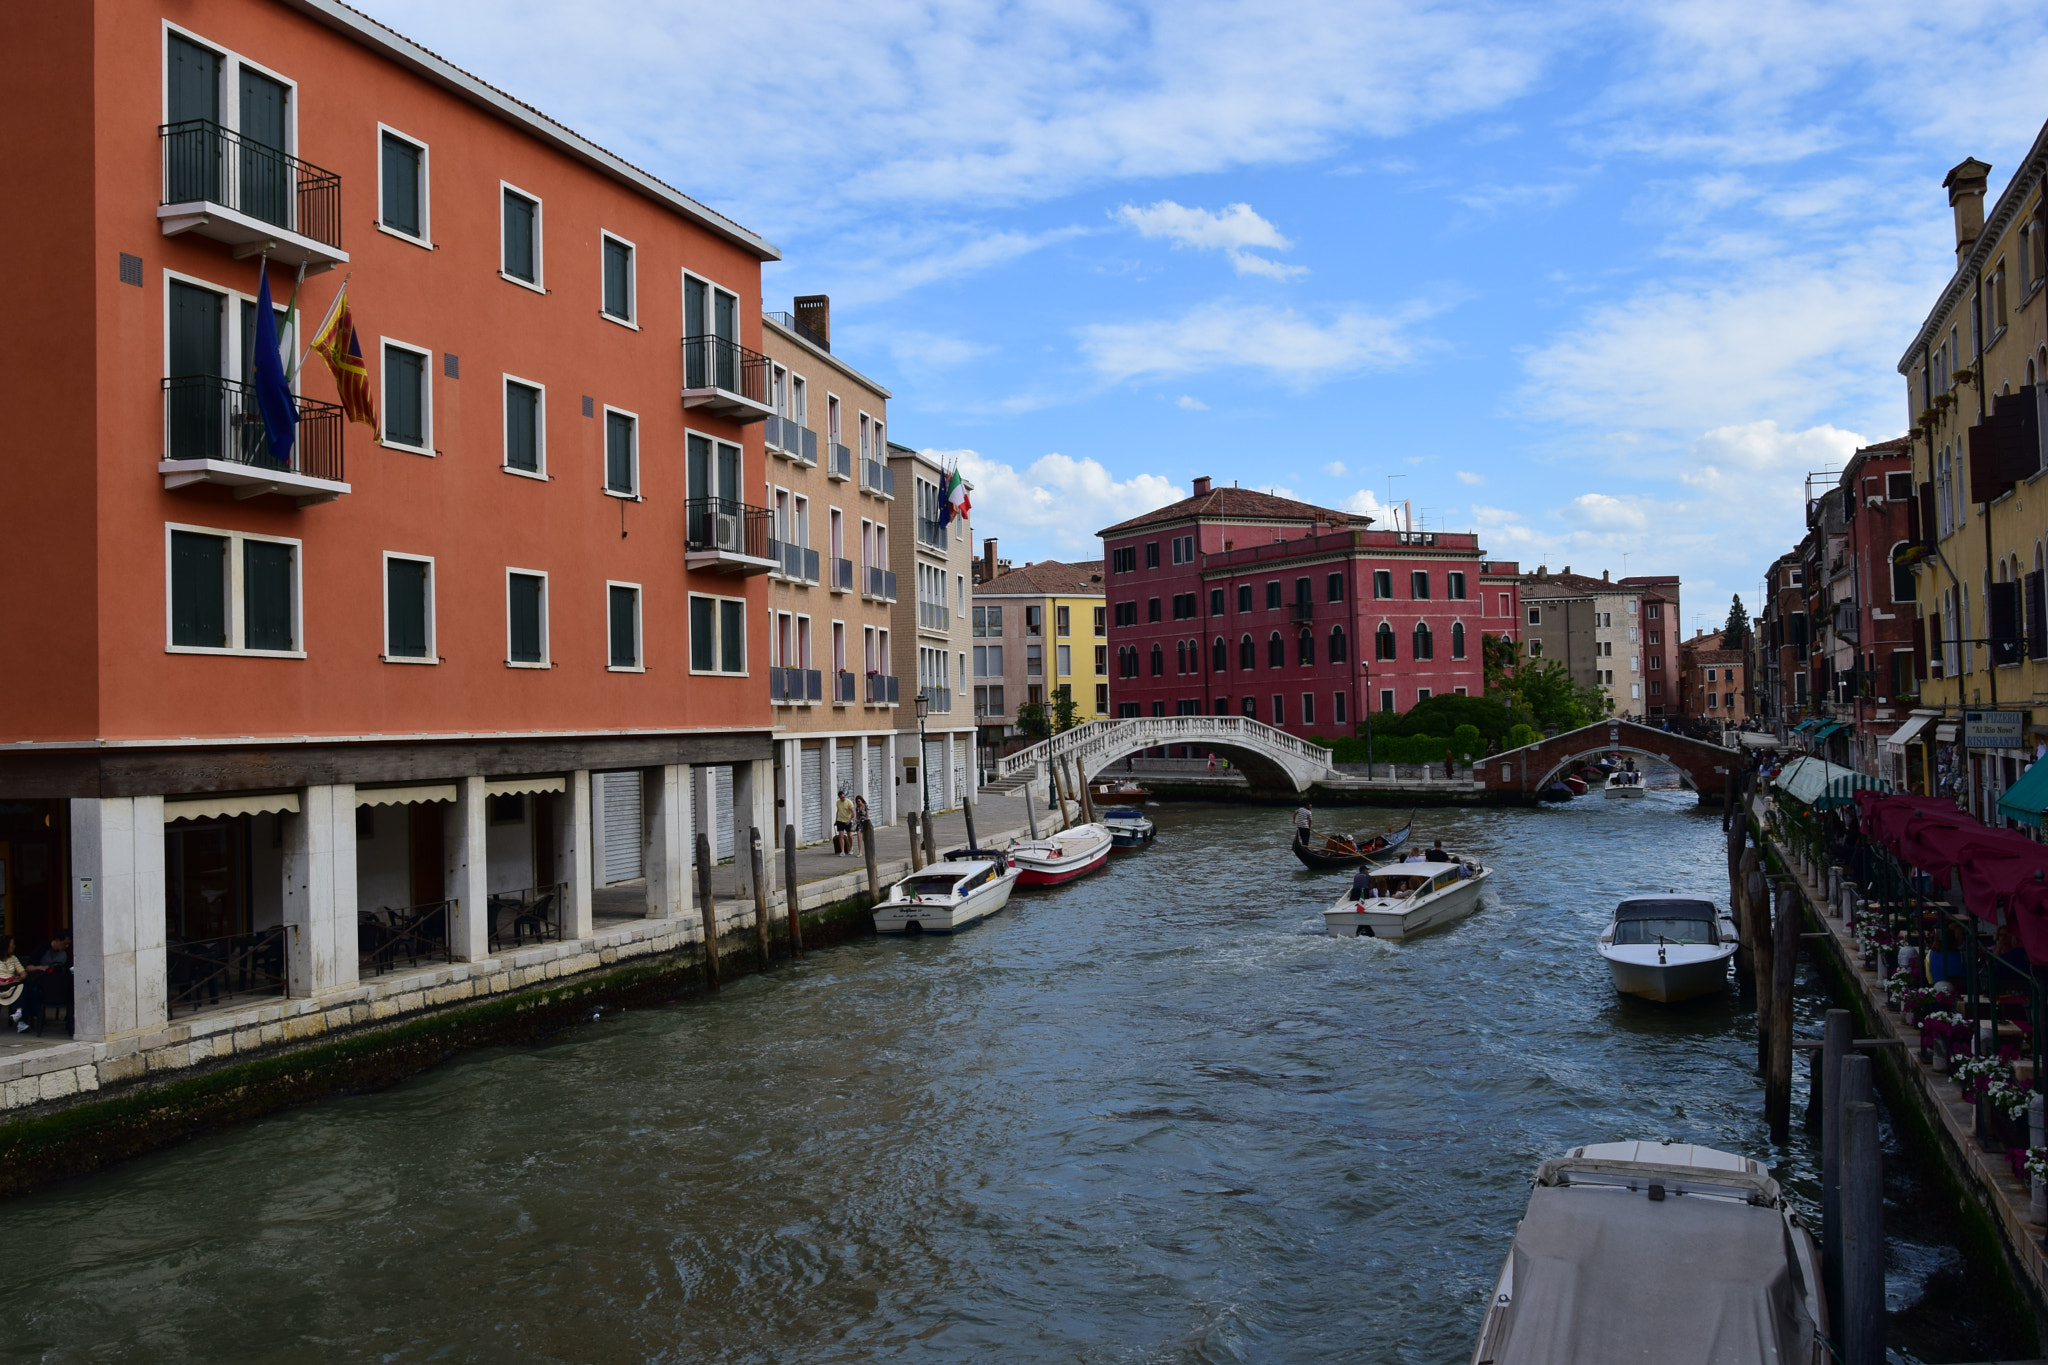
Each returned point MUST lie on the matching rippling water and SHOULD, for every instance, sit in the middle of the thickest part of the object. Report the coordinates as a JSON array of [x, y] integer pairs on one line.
[[1154, 1116]]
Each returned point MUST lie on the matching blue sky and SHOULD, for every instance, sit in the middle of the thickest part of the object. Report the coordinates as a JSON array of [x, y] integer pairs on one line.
[[1594, 280]]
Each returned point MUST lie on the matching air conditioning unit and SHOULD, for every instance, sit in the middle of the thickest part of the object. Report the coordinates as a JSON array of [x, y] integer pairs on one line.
[[725, 531]]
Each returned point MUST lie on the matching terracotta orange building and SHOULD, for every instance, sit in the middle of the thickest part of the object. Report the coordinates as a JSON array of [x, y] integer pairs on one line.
[[426, 687]]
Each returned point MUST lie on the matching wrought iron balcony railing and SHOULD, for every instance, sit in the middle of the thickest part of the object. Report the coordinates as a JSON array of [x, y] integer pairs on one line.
[[723, 524], [208, 418], [719, 363], [204, 163]]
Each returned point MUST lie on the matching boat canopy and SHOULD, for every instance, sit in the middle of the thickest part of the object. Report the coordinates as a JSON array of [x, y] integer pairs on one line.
[[1665, 907], [1123, 813]]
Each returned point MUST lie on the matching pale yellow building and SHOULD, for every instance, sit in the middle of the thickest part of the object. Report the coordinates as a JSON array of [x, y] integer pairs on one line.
[[1040, 631]]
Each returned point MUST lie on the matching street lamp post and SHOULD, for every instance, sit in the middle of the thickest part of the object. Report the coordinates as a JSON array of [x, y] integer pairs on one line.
[[924, 708]]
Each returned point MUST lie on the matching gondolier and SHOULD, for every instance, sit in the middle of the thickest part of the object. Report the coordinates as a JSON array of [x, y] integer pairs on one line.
[[1304, 816]]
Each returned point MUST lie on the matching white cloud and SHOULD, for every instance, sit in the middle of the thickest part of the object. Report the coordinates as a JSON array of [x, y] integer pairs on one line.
[[1234, 232], [915, 350], [1054, 506], [1466, 476], [1191, 403], [1364, 501], [1335, 469], [1295, 349], [1603, 512]]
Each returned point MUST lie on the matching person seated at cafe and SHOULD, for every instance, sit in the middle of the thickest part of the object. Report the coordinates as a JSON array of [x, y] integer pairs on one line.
[[1436, 853], [49, 982], [13, 982]]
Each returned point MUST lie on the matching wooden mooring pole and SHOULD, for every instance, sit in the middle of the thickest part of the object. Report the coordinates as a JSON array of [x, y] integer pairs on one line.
[[708, 908], [1784, 970], [916, 853], [1833, 1051], [1744, 900], [967, 810], [796, 915], [1758, 933], [931, 851], [867, 853], [1860, 1325], [760, 894]]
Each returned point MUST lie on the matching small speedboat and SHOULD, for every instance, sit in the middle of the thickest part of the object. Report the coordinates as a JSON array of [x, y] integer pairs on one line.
[[1340, 850], [1121, 792], [1400, 900], [1062, 857], [1556, 791], [970, 885], [1575, 784], [1626, 782], [1128, 827], [1659, 1251], [1668, 948]]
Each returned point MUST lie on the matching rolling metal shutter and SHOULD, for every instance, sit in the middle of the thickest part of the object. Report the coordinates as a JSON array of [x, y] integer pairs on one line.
[[935, 773], [721, 834], [878, 777], [811, 773], [619, 822]]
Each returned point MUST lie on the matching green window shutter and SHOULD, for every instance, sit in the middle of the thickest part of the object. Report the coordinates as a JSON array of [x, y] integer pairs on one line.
[[519, 223], [618, 279], [401, 167], [199, 587], [732, 637], [618, 453], [405, 408], [405, 608], [522, 428], [703, 634], [525, 607], [266, 595], [625, 611]]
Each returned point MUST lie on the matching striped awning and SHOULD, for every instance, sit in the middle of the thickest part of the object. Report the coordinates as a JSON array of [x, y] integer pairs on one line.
[[513, 786], [228, 804], [1823, 786], [405, 796]]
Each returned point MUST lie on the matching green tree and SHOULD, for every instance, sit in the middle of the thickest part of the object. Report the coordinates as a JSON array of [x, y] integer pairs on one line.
[[1467, 742], [1735, 634], [1545, 688], [1065, 715], [1499, 658], [1033, 721], [1443, 715]]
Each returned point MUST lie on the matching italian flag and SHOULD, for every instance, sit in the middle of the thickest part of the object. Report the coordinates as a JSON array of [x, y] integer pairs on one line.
[[955, 496]]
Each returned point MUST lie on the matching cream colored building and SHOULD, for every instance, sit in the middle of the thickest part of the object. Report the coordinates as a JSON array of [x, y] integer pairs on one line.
[[933, 565], [832, 633]]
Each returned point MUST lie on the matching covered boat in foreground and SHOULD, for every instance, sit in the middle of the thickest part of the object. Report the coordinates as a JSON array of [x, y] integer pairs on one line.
[[1062, 857], [1668, 948], [971, 884], [1656, 1251], [1128, 827]]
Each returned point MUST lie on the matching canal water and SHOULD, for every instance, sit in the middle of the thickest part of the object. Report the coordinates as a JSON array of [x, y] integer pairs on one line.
[[1152, 1116]]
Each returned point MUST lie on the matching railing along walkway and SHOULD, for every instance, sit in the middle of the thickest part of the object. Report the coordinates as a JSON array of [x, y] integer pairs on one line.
[[1107, 740]]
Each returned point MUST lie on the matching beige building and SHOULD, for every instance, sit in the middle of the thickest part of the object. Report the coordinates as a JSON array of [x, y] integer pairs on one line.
[[1618, 636], [1039, 631], [831, 600], [932, 563]]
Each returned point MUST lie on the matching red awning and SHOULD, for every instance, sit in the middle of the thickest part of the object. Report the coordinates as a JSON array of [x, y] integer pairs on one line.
[[1998, 868]]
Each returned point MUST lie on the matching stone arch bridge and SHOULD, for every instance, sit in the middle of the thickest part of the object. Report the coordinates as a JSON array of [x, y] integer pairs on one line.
[[1268, 758], [1520, 774]]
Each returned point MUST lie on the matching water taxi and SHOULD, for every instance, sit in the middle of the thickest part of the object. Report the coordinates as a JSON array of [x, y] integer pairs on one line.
[[1668, 948], [1064, 856], [1626, 782], [1400, 900], [970, 885], [1128, 827]]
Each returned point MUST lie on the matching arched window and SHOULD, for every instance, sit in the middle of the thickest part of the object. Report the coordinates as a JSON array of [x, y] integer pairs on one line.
[[1247, 653], [1338, 652], [1306, 646], [1902, 575], [1158, 662], [1276, 651], [1457, 639], [1425, 648], [1383, 642], [1180, 663], [1222, 657]]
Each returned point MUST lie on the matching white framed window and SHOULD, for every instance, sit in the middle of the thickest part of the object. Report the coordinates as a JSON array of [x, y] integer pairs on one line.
[[617, 282], [718, 634], [622, 628], [409, 609], [526, 428], [204, 79], [231, 592], [403, 203], [519, 238], [406, 403], [621, 453], [526, 618]]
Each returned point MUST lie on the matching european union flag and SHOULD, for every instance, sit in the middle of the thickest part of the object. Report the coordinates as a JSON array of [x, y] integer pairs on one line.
[[273, 393]]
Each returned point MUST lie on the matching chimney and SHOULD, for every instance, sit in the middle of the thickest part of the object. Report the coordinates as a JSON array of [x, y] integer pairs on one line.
[[1202, 486], [1965, 186], [988, 559], [814, 318], [1603, 576]]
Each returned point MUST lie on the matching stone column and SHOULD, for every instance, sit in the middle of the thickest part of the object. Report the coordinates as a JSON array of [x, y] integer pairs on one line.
[[469, 870], [948, 783], [753, 806], [669, 838], [117, 916], [973, 768], [860, 778], [320, 891], [829, 770], [573, 846]]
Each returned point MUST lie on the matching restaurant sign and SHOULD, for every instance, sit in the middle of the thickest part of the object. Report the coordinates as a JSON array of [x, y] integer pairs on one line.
[[1993, 729]]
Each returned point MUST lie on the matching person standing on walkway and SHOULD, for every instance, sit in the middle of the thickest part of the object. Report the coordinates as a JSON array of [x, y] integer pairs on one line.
[[1304, 816], [861, 824], [842, 825]]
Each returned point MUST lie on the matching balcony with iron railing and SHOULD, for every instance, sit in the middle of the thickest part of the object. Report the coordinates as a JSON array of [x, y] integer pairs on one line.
[[725, 379], [725, 536], [842, 575], [792, 561], [1301, 611], [252, 198], [838, 461], [789, 323], [214, 433], [880, 585], [845, 687], [791, 439], [882, 689], [795, 686], [877, 478]]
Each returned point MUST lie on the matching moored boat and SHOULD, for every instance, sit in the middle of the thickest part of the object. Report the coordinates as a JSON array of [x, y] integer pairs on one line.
[[1401, 900], [1668, 948], [1666, 1251], [1340, 850], [1062, 857], [1575, 784], [1122, 792], [942, 898], [1128, 827]]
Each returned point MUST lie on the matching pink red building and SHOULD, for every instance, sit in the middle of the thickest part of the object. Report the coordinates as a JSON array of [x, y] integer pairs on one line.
[[1235, 602]]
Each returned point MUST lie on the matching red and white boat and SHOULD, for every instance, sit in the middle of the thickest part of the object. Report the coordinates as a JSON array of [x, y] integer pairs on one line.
[[1069, 854]]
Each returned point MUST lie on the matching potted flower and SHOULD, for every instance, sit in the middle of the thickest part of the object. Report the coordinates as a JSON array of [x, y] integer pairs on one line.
[[1943, 1034], [1917, 1002], [2005, 1104]]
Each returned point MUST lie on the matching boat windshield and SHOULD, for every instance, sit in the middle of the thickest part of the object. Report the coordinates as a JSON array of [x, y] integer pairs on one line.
[[927, 886], [1665, 931]]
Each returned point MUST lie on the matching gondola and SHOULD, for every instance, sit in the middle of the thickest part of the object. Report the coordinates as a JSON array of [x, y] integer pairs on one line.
[[1339, 852]]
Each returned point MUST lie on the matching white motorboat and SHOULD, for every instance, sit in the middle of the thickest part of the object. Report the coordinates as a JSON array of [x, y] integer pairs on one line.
[[970, 885], [1668, 948], [1657, 1251], [1626, 782], [1400, 900], [1128, 827], [1061, 857]]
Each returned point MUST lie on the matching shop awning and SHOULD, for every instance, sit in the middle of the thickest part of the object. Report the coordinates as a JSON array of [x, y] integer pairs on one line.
[[226, 805], [1910, 731], [1833, 727], [1805, 726], [513, 786], [1945, 733], [405, 796], [2023, 800], [1823, 786]]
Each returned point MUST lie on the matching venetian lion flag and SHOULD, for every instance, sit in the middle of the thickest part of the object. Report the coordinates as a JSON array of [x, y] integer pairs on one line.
[[337, 345]]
